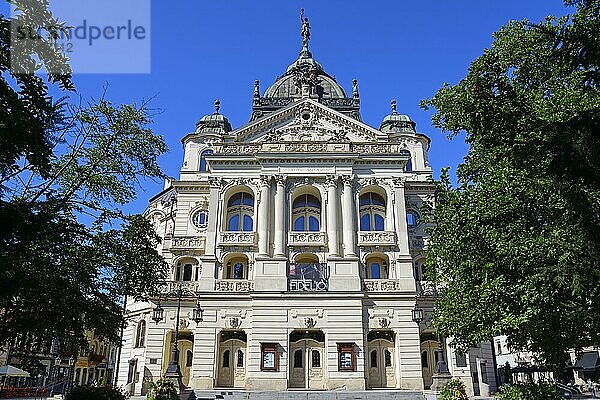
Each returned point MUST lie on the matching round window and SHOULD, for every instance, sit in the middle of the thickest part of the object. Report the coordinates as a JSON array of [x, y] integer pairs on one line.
[[200, 219]]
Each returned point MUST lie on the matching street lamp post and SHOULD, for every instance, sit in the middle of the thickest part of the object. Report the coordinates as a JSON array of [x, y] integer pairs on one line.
[[173, 371], [441, 374]]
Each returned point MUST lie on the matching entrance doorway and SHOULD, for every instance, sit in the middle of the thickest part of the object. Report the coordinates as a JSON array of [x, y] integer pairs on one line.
[[186, 355], [381, 359], [307, 360], [429, 358], [231, 359]]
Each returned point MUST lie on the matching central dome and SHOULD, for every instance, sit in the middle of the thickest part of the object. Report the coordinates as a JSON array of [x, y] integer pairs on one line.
[[305, 69]]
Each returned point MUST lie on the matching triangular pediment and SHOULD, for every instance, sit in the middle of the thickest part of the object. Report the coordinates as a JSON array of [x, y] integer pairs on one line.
[[307, 121]]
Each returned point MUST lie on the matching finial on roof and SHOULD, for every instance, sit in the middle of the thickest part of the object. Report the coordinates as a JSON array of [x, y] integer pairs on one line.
[[394, 107], [305, 35], [355, 88], [217, 106], [256, 88]]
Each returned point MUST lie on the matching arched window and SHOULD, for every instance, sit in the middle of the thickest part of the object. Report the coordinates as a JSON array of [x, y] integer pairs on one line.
[[316, 359], [240, 211], [298, 359], [372, 212], [374, 359], [226, 359], [237, 268], [408, 167], [412, 218], [184, 272], [140, 334], [306, 213], [377, 268], [203, 166]]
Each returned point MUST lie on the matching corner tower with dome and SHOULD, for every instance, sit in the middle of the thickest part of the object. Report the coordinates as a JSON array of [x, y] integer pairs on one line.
[[299, 235]]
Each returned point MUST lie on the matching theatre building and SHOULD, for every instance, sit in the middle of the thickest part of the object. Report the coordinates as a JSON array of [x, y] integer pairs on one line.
[[300, 236]]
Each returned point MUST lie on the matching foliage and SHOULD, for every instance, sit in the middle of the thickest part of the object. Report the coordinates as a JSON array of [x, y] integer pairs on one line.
[[163, 389], [67, 252], [95, 393], [516, 245], [529, 391], [453, 390]]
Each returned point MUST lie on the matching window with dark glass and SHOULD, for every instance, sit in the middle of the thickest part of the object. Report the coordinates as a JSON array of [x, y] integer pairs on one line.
[[203, 165], [388, 358], [424, 360], [461, 359], [372, 212], [306, 213], [140, 334], [189, 356], [316, 359], [240, 211], [237, 269], [240, 359], [412, 218], [408, 167], [298, 356], [226, 359], [374, 359], [483, 367], [200, 219]]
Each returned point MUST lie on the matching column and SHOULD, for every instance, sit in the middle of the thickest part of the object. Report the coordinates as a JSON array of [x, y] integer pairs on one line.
[[348, 216], [279, 216], [332, 215], [263, 216], [400, 215]]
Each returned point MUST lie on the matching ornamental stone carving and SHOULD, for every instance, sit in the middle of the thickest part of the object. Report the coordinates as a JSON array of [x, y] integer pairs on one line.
[[381, 285], [188, 242], [215, 182], [237, 238], [233, 285], [370, 238], [306, 238]]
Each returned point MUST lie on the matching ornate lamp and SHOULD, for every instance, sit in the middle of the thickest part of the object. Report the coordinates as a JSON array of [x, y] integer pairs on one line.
[[197, 314], [158, 314], [417, 314]]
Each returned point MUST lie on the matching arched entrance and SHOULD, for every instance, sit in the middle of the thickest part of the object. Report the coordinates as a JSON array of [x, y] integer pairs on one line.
[[307, 359], [429, 357], [231, 360], [186, 355], [381, 359]]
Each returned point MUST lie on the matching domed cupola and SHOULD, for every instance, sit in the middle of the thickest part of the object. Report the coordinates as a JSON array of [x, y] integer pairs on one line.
[[305, 78], [213, 125], [395, 123]]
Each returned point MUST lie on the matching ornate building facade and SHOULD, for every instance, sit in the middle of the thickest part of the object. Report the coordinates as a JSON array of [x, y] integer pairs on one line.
[[299, 234]]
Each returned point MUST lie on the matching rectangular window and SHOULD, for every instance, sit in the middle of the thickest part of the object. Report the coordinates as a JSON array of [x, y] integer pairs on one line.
[[483, 367], [268, 357], [345, 356], [461, 359]]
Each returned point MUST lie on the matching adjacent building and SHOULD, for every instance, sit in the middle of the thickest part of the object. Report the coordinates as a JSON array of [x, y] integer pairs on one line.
[[300, 235]]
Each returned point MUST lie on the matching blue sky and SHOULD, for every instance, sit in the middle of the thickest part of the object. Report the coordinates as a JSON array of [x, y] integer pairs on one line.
[[203, 50]]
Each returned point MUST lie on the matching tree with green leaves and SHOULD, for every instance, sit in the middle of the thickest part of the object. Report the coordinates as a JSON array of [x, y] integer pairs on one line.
[[67, 252], [516, 245]]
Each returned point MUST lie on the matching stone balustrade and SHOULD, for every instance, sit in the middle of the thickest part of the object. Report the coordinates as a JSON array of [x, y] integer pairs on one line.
[[381, 285], [186, 243], [306, 238], [426, 289], [237, 238], [234, 285], [376, 238], [188, 288]]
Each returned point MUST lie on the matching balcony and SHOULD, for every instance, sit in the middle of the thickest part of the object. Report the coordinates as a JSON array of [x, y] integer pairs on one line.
[[186, 243], [188, 288], [306, 238], [381, 285], [376, 238], [426, 289], [308, 277], [234, 285], [237, 238]]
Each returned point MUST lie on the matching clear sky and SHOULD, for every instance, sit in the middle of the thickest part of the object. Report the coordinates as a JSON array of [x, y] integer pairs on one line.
[[203, 50]]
